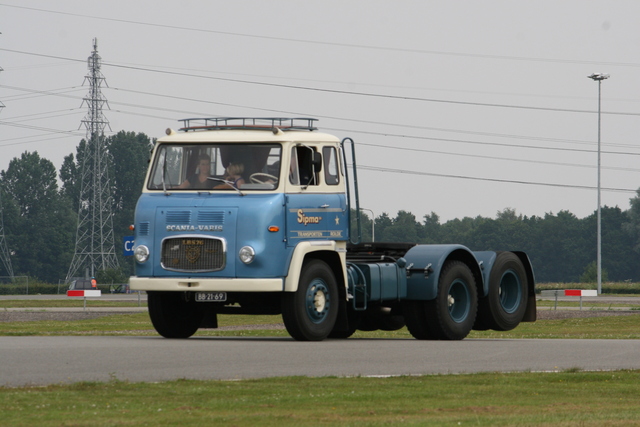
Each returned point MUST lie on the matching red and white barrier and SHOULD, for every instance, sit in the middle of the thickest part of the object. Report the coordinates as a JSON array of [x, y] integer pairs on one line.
[[569, 293], [580, 293], [84, 293]]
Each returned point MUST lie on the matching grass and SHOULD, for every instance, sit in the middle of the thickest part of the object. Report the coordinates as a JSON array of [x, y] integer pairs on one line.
[[138, 324], [63, 303], [586, 305], [614, 327], [570, 398]]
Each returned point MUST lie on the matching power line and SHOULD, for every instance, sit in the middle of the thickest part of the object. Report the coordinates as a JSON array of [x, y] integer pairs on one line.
[[334, 44], [39, 92], [482, 143], [364, 121], [383, 134], [372, 95], [388, 124], [39, 128], [370, 122], [31, 142], [342, 92], [507, 181], [406, 136], [45, 115], [476, 156]]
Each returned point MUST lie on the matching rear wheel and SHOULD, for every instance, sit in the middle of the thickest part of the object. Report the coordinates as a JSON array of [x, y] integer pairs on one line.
[[310, 313], [174, 314], [415, 315], [504, 306], [451, 315]]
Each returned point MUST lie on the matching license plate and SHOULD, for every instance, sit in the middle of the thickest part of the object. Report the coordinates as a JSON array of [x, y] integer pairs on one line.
[[211, 296]]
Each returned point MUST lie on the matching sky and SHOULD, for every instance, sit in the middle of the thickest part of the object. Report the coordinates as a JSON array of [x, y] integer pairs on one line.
[[462, 108]]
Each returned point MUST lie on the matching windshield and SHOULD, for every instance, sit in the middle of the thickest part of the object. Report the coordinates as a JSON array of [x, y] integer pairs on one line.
[[216, 167]]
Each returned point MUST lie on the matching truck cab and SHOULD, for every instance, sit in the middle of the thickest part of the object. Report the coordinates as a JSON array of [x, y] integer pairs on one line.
[[239, 238]]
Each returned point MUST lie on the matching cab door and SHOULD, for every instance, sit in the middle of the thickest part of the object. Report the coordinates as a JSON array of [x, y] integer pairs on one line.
[[316, 203]]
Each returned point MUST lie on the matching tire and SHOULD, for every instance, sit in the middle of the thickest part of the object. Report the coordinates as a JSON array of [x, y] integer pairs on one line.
[[392, 322], [504, 306], [174, 314], [381, 318], [310, 313], [415, 316], [451, 315], [353, 319]]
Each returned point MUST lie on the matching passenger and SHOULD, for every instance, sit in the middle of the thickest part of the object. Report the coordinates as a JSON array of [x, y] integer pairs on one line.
[[199, 180], [234, 175]]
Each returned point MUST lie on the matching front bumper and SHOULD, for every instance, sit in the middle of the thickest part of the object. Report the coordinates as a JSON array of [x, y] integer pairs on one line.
[[200, 284]]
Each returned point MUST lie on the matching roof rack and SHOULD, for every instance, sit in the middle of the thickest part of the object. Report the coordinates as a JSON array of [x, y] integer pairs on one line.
[[253, 123]]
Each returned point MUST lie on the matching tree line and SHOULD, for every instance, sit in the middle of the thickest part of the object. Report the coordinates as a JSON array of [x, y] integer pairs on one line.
[[40, 222], [41, 216], [562, 247]]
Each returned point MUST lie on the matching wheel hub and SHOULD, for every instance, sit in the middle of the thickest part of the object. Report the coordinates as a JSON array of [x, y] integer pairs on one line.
[[451, 300], [318, 301], [458, 301], [510, 291]]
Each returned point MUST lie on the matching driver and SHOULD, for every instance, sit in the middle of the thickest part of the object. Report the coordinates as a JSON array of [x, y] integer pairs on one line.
[[199, 180]]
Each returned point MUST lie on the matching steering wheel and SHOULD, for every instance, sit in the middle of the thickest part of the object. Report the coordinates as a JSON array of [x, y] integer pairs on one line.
[[256, 178]]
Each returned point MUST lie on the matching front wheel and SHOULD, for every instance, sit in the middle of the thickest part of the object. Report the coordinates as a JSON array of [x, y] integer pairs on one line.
[[310, 313], [174, 314]]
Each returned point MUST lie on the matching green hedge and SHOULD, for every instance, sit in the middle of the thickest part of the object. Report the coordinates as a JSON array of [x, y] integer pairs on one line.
[[607, 287], [30, 289]]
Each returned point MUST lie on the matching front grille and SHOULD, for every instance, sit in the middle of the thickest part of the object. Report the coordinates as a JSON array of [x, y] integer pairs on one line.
[[193, 254]]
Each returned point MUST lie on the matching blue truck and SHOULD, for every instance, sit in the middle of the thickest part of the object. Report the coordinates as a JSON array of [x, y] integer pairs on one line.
[[261, 216]]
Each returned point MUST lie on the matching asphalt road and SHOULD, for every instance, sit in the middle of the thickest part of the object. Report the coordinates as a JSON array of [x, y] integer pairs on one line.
[[49, 360]]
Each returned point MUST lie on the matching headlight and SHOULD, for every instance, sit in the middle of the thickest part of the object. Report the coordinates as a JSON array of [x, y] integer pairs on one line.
[[141, 253], [247, 254]]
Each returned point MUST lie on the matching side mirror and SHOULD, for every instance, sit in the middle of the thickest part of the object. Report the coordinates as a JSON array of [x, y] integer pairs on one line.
[[317, 161]]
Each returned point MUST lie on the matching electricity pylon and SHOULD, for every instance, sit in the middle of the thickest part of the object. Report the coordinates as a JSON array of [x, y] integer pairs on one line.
[[95, 248]]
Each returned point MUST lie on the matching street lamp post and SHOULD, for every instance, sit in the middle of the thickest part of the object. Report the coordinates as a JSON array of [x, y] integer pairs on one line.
[[373, 224], [599, 77]]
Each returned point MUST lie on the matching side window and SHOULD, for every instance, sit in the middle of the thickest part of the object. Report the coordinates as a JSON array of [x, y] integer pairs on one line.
[[330, 159], [294, 174], [301, 170]]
